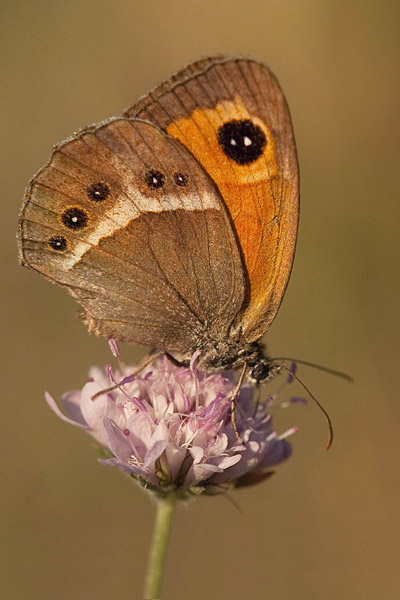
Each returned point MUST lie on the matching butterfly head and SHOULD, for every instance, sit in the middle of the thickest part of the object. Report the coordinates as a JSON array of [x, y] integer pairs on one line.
[[263, 370]]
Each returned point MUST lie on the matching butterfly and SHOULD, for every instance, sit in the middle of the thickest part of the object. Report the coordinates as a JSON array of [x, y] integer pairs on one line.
[[174, 225]]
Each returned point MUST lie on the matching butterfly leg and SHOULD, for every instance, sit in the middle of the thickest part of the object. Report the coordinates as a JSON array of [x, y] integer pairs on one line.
[[145, 363], [176, 362], [233, 400]]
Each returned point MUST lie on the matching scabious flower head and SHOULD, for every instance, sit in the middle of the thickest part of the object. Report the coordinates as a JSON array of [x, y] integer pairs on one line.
[[170, 427]]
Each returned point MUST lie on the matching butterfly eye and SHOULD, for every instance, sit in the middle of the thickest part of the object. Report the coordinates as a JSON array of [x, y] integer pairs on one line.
[[242, 141], [58, 242], [181, 179], [260, 370], [98, 191], [74, 218], [155, 179]]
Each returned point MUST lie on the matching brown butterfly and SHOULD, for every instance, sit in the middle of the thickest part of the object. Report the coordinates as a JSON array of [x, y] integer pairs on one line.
[[175, 224]]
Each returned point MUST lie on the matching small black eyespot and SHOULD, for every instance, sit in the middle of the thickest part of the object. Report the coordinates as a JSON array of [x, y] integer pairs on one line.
[[58, 242], [155, 179], [242, 141], [181, 179], [98, 191], [75, 218]]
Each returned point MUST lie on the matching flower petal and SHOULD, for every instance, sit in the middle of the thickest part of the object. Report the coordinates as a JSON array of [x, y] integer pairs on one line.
[[117, 441], [54, 407], [123, 466], [229, 461], [154, 452], [279, 451], [93, 410], [71, 402]]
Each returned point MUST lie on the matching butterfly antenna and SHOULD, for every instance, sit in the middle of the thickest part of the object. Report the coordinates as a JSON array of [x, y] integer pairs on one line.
[[233, 401], [319, 367], [140, 368], [327, 417]]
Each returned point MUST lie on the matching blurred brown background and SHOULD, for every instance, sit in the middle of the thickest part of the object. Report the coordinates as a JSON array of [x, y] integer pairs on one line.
[[327, 524]]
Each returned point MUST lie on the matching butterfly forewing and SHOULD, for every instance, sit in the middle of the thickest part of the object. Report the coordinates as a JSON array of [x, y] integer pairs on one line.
[[129, 222], [232, 115]]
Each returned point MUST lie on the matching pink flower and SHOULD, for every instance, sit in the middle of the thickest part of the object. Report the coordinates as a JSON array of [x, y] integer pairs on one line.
[[170, 428]]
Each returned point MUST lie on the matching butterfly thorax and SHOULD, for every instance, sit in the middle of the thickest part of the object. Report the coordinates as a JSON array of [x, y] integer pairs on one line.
[[234, 354]]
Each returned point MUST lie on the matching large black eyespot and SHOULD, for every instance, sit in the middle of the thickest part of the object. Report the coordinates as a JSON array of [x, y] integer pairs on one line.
[[155, 179], [75, 218], [58, 242], [242, 141], [98, 191], [181, 179]]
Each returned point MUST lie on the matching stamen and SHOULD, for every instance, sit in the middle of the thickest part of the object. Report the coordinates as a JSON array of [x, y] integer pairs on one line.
[[292, 372], [140, 404], [114, 347], [288, 432], [193, 361]]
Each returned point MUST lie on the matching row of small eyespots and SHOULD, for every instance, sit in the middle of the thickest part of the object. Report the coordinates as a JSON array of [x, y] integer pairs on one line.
[[156, 179], [76, 218]]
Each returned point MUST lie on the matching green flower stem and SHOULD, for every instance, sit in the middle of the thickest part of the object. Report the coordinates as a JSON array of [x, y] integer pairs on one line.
[[159, 544]]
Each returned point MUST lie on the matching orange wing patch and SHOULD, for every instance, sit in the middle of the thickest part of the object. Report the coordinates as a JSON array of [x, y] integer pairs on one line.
[[250, 186]]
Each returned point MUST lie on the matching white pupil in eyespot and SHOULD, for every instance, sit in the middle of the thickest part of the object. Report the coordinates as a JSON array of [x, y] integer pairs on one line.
[[246, 141]]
